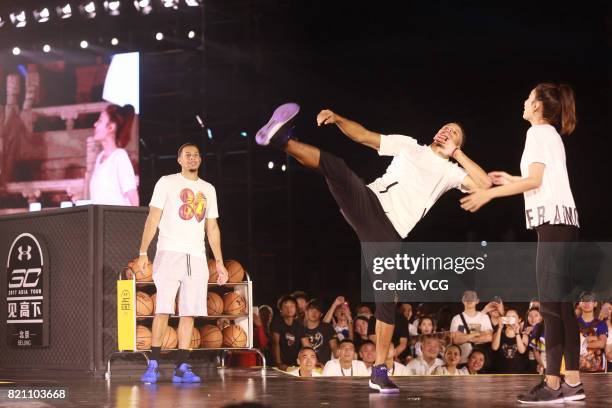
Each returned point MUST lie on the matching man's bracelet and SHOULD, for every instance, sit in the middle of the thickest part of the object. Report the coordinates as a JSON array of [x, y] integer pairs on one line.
[[453, 153], [142, 253]]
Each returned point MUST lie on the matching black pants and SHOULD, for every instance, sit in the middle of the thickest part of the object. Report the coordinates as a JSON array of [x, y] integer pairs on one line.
[[553, 275], [364, 213]]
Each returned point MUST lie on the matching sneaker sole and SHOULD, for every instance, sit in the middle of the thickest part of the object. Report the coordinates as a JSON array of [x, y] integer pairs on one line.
[[555, 401], [578, 397], [280, 117], [179, 380], [385, 391]]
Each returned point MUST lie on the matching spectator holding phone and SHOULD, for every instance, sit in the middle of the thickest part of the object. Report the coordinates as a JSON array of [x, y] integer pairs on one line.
[[339, 314], [495, 310], [509, 350]]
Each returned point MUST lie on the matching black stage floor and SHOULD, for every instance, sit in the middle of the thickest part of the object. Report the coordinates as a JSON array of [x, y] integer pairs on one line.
[[275, 389]]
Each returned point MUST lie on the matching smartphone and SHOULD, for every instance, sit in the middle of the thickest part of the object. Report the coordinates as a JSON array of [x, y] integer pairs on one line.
[[508, 320]]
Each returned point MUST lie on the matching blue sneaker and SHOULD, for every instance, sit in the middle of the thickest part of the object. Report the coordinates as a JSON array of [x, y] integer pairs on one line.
[[152, 373], [380, 380], [183, 374], [277, 131]]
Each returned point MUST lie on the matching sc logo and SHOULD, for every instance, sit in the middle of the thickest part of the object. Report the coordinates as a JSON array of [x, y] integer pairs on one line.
[[24, 278]]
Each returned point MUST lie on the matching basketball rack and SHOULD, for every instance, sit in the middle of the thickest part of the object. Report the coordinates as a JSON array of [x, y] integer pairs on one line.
[[245, 321]]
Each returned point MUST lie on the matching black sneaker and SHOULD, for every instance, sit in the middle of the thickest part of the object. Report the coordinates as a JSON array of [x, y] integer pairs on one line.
[[277, 131], [541, 394], [575, 393], [380, 380]]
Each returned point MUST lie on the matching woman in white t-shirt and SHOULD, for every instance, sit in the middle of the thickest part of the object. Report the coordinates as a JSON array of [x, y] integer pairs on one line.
[[550, 210], [113, 181]]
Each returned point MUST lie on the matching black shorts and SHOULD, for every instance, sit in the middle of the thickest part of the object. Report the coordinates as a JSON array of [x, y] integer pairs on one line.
[[363, 211]]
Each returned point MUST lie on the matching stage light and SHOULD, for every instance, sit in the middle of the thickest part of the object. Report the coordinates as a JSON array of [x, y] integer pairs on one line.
[[18, 19], [42, 15], [114, 41], [159, 36], [271, 165], [284, 167], [2, 22], [35, 207], [209, 133], [170, 3], [64, 11], [88, 9], [113, 7], [144, 7], [191, 34], [193, 3], [16, 50], [46, 48], [243, 134], [84, 44]]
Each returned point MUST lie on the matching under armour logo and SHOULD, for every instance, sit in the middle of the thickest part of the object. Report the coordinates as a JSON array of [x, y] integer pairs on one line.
[[22, 253]]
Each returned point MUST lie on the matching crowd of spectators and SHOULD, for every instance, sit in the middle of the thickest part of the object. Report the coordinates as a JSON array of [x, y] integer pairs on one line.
[[305, 338]]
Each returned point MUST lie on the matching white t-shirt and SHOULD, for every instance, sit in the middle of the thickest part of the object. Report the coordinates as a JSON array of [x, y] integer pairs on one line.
[[413, 182], [479, 322], [185, 204], [418, 366], [399, 370], [552, 202], [443, 370], [333, 369], [112, 178], [296, 372]]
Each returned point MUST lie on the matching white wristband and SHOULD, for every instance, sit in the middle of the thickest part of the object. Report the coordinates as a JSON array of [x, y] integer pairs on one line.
[[142, 253]]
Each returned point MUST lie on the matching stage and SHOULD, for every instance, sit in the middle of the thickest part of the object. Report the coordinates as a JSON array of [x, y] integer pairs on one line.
[[227, 386]]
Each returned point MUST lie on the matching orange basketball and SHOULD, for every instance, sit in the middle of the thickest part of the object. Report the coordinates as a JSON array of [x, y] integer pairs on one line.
[[132, 269], [235, 271], [234, 336], [214, 304], [211, 337], [144, 304], [212, 271], [196, 339], [154, 300], [170, 339], [143, 338], [234, 304]]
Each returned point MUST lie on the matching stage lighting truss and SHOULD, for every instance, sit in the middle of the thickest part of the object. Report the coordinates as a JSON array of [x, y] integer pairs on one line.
[[42, 15], [144, 7], [88, 9], [170, 3], [112, 7], [18, 18]]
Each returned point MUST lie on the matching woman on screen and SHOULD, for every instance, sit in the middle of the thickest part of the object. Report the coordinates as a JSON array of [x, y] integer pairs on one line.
[[113, 181]]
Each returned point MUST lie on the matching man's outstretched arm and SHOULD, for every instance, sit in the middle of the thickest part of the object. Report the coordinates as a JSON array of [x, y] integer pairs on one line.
[[353, 130]]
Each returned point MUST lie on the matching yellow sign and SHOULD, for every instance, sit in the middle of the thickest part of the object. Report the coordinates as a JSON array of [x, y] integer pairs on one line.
[[126, 315]]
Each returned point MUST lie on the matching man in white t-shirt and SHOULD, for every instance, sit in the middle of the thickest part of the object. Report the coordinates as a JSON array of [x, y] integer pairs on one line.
[[185, 209], [470, 326], [345, 365], [428, 361], [387, 209], [307, 364]]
